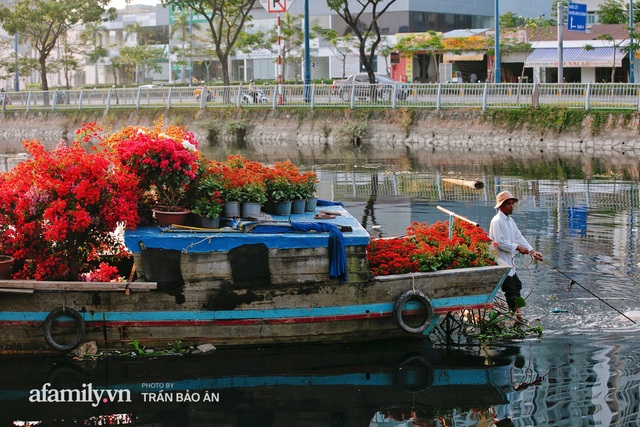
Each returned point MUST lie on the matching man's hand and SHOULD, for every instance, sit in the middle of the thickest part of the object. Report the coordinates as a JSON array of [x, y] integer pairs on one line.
[[537, 255]]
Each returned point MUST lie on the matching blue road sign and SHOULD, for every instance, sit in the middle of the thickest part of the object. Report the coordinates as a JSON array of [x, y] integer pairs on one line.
[[577, 17]]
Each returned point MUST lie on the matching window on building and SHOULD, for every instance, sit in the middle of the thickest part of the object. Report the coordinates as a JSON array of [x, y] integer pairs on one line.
[[591, 18]]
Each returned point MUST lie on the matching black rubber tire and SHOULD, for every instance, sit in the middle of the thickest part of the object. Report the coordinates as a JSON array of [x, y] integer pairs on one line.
[[413, 294], [77, 318]]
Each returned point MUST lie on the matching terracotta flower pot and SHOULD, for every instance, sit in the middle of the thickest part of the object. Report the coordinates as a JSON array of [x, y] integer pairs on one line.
[[6, 262], [176, 216]]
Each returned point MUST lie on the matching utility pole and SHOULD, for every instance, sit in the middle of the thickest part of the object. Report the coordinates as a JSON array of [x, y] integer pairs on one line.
[[632, 56], [16, 82], [307, 60], [560, 56], [496, 75]]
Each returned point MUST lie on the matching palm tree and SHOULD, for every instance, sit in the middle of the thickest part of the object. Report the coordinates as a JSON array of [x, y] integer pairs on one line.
[[183, 26], [143, 34], [92, 37], [142, 38]]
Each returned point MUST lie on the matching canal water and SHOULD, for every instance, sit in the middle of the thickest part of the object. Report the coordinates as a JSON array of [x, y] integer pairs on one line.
[[581, 213]]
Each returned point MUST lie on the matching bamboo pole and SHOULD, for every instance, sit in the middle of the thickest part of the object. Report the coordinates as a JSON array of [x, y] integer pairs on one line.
[[478, 185]]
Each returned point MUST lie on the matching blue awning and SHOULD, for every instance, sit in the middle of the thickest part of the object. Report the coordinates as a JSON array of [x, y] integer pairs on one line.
[[576, 57]]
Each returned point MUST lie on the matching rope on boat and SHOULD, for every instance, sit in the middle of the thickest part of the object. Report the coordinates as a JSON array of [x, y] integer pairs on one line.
[[191, 245], [527, 266]]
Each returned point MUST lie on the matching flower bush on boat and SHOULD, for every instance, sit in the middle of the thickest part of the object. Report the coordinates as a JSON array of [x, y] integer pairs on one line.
[[58, 210], [428, 248], [165, 161]]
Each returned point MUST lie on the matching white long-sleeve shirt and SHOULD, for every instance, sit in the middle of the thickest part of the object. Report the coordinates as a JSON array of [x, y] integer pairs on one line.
[[505, 233]]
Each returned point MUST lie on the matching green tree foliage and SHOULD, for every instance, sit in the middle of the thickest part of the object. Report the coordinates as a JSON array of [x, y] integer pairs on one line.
[[184, 27], [362, 18], [225, 19], [430, 42], [341, 46], [91, 36], [249, 41], [511, 20], [616, 12], [136, 60], [43, 22], [292, 38], [70, 51]]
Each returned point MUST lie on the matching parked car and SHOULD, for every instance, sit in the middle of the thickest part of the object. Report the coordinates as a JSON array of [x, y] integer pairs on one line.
[[360, 82]]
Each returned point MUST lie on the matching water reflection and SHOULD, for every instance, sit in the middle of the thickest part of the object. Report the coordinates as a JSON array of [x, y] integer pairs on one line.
[[305, 386], [584, 370]]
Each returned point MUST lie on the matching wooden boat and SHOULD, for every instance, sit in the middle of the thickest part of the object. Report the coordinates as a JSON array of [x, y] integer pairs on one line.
[[307, 385], [251, 284]]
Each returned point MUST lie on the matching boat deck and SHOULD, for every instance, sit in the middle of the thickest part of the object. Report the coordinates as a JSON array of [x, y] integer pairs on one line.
[[197, 240]]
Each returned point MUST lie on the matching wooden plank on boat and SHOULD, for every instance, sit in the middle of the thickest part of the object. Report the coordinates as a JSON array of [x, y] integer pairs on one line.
[[16, 291], [77, 286]]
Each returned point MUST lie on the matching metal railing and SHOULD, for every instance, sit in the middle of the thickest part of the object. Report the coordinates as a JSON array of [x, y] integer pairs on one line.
[[588, 96]]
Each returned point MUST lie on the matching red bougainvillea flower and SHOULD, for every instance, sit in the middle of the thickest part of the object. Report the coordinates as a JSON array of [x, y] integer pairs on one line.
[[59, 209]]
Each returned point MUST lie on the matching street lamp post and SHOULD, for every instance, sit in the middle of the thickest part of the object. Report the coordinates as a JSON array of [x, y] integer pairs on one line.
[[16, 82], [632, 57], [307, 60], [190, 47], [497, 77]]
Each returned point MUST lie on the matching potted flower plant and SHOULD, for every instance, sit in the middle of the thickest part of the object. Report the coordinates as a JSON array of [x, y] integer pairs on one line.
[[309, 182], [244, 184], [209, 202], [280, 188], [165, 162]]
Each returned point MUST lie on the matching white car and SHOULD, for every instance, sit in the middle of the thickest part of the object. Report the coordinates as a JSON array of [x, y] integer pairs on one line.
[[361, 85]]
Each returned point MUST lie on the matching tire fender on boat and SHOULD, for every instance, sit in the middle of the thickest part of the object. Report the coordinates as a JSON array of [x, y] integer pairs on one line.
[[77, 320], [413, 295]]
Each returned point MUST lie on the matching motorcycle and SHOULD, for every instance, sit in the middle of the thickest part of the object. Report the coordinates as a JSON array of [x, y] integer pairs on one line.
[[208, 94], [4, 98], [255, 97]]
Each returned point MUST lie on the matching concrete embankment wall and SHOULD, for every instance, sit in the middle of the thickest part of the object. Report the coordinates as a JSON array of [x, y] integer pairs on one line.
[[379, 131]]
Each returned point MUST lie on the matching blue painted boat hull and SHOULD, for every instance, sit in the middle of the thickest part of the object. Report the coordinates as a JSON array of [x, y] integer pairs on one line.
[[243, 289]]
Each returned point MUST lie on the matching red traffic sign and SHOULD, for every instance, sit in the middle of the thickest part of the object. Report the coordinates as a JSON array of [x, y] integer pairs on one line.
[[276, 6]]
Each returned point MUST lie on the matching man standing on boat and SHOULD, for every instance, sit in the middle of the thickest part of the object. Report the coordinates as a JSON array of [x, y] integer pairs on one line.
[[509, 241]]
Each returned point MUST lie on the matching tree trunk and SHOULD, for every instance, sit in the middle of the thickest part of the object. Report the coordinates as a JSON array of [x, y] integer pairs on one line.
[[43, 73]]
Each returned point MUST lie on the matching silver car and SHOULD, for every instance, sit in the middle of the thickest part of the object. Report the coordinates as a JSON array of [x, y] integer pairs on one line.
[[360, 83]]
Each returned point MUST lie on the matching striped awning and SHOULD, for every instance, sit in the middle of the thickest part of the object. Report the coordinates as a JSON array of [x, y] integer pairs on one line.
[[575, 57], [464, 56]]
